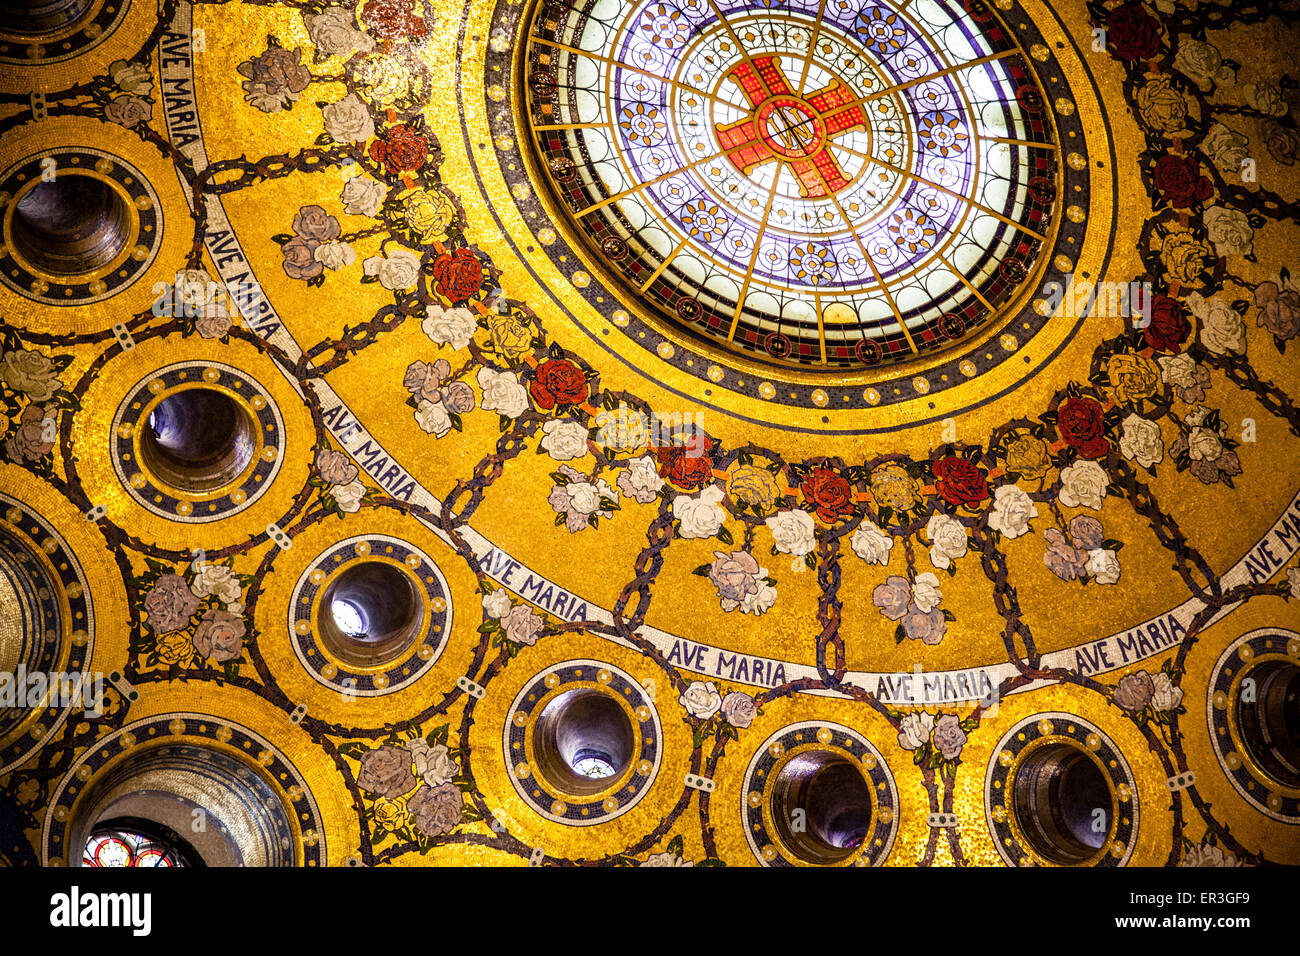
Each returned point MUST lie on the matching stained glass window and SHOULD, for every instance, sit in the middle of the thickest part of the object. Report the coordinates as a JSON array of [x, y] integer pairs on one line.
[[119, 846], [593, 764], [815, 181]]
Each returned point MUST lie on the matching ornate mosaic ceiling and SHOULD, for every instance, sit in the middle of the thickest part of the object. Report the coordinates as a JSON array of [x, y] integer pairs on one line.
[[756, 433]]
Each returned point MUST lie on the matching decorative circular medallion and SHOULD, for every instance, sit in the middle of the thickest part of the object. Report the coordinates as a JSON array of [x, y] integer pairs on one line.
[[793, 798], [79, 226], [189, 735], [1254, 716], [826, 184], [47, 623], [1058, 792], [582, 742], [52, 32], [197, 441], [352, 627]]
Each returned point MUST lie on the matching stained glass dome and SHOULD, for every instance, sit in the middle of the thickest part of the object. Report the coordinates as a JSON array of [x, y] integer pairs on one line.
[[823, 183]]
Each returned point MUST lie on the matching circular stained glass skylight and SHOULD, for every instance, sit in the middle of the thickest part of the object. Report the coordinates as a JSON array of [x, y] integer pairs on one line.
[[823, 182]]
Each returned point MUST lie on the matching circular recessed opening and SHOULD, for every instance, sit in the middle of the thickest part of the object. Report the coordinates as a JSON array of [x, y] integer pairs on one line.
[[821, 806], [583, 741], [1063, 804], [32, 624], [37, 18], [132, 842], [198, 439], [370, 614], [74, 225], [1269, 723], [205, 805]]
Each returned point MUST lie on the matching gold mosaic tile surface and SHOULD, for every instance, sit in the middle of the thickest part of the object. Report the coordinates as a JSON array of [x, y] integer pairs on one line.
[[1056, 539]]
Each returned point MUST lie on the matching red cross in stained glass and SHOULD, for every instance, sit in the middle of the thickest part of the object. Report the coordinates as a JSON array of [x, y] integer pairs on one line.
[[790, 129]]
